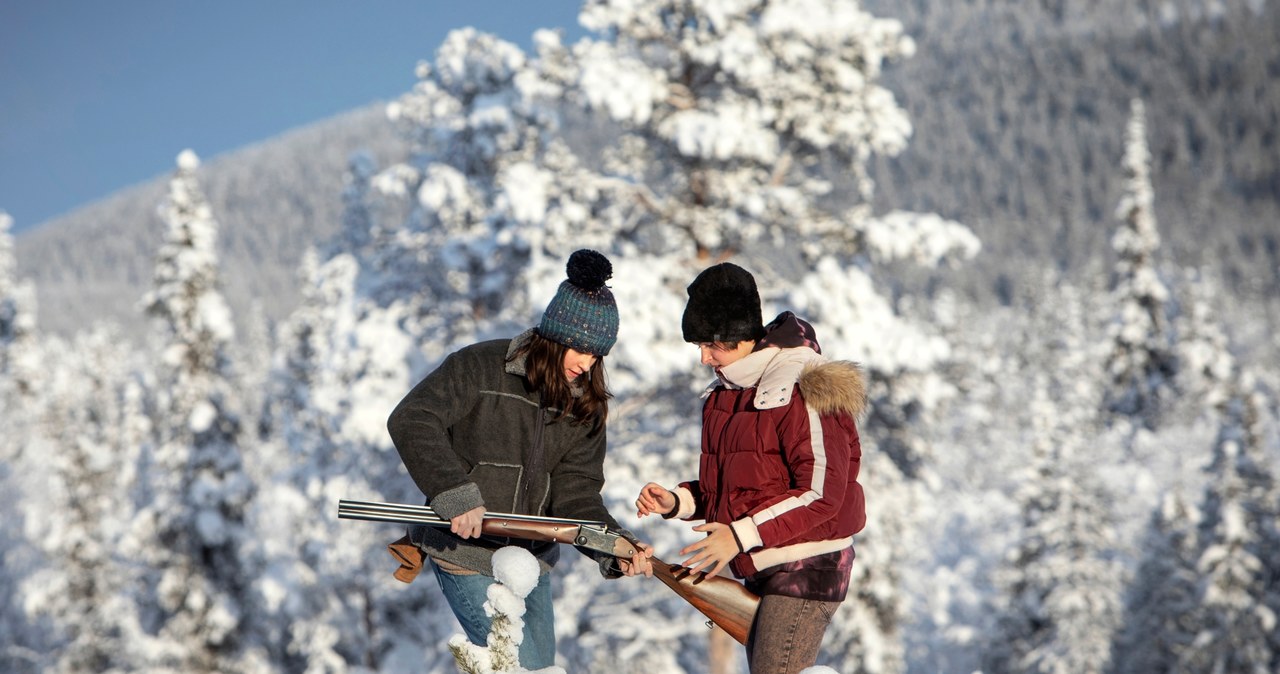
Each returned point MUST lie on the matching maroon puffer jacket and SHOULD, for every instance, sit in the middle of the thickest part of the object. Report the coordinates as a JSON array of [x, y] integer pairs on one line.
[[780, 456]]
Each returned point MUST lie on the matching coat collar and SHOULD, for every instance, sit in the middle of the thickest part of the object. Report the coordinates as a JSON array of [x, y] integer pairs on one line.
[[517, 366], [771, 370]]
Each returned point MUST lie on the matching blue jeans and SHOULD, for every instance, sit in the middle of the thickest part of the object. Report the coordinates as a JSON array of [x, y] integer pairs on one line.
[[466, 594]]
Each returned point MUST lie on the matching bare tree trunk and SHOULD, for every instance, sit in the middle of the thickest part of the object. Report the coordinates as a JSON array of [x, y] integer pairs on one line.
[[722, 652]]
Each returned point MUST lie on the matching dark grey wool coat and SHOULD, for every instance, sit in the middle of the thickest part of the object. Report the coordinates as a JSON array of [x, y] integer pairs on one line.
[[465, 433]]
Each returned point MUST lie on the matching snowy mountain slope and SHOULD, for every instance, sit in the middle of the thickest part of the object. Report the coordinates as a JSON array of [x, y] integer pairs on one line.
[[1039, 92], [273, 200]]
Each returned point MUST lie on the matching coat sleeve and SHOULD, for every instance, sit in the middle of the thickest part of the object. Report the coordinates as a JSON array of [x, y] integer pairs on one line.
[[419, 428], [692, 504], [816, 449]]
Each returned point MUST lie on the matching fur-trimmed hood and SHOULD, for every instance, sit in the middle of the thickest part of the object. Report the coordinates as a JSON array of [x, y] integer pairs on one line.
[[829, 386], [788, 356], [835, 386]]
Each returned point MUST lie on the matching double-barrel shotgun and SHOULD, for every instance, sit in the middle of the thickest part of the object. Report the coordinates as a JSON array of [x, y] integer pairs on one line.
[[723, 601]]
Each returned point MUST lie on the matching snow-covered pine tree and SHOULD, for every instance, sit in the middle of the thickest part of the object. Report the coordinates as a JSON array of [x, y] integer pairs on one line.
[[94, 432], [1060, 588], [192, 531], [19, 355], [375, 207], [489, 186], [1142, 364], [359, 213], [1205, 362], [1234, 625], [27, 636], [1162, 596], [745, 123], [329, 445]]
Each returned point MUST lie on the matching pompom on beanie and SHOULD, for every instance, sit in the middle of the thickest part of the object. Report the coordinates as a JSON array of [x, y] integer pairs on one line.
[[724, 306], [583, 315]]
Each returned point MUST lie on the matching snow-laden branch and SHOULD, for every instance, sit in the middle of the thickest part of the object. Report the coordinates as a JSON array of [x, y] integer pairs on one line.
[[927, 239]]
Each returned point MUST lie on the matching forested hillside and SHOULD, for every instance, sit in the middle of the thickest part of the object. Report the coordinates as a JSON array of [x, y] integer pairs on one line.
[[1016, 109]]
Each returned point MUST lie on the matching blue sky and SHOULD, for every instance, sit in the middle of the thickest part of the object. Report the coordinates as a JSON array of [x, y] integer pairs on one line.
[[98, 96]]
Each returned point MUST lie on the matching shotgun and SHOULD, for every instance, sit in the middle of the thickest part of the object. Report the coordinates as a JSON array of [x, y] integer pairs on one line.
[[723, 601]]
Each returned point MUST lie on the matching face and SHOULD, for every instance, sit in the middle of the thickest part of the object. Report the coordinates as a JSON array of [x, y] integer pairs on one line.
[[716, 356], [577, 363]]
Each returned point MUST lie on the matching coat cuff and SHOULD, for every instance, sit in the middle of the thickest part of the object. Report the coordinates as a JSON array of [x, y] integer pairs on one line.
[[449, 504], [747, 533], [686, 505]]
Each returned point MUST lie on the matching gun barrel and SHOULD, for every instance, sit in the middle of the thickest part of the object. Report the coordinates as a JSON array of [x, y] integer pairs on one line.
[[374, 512], [415, 514], [583, 533]]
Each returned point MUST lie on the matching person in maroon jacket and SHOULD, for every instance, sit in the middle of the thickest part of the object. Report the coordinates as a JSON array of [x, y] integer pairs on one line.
[[778, 476]]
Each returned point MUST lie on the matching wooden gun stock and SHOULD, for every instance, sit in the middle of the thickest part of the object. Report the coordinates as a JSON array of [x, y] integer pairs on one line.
[[723, 601]]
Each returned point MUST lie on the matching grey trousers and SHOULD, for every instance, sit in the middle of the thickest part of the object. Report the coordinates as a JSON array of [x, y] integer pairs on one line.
[[787, 634]]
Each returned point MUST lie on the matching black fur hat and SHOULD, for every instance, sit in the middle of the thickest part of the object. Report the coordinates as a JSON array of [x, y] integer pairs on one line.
[[724, 306]]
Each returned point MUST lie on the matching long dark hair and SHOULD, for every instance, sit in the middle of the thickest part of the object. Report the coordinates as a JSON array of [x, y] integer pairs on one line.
[[544, 369]]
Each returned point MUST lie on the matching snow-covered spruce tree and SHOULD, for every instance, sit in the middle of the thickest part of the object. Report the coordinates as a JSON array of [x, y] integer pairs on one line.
[[1060, 588], [489, 188], [326, 582], [867, 630], [19, 355], [1205, 363], [1163, 594], [27, 637], [375, 205], [191, 533], [1234, 625], [359, 212], [1063, 591], [96, 430], [1142, 364]]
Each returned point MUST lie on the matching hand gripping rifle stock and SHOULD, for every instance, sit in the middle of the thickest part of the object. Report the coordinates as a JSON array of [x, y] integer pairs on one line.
[[723, 601]]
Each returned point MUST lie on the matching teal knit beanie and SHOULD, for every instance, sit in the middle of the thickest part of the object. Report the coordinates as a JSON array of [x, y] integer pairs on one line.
[[583, 315]]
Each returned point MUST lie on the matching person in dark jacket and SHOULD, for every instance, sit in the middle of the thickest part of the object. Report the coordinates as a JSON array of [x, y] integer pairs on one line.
[[777, 483], [516, 426]]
